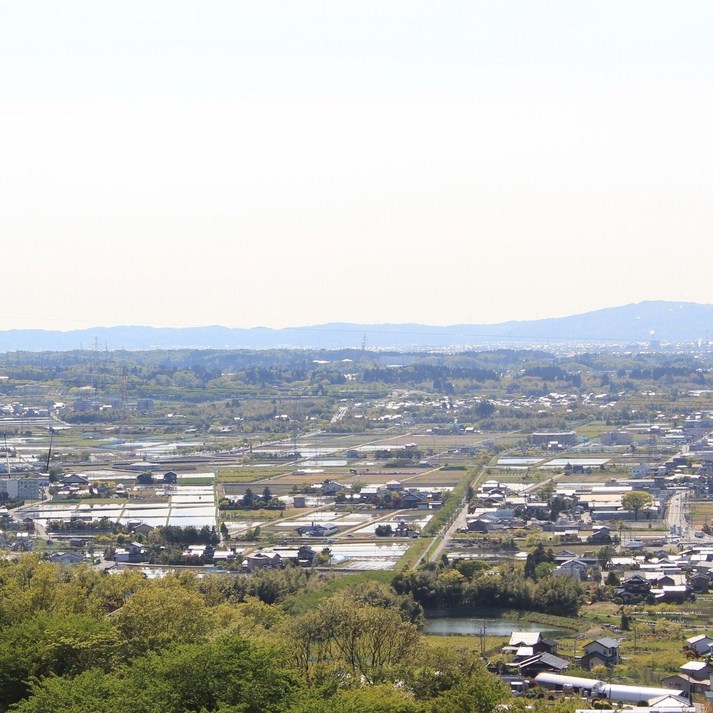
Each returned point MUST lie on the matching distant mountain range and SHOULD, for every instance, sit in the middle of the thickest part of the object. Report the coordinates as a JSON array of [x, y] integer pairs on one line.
[[642, 322]]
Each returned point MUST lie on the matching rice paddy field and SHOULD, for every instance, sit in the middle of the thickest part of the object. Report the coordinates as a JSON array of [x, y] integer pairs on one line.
[[184, 505]]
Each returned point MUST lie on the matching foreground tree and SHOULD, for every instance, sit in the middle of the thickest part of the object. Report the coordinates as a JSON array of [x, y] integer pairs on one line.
[[362, 640], [479, 693], [228, 675], [636, 500], [164, 614], [53, 644], [373, 699]]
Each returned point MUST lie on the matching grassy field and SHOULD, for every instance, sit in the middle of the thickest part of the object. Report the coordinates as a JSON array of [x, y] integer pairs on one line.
[[306, 601], [509, 475], [410, 557], [701, 513], [247, 474], [235, 516], [593, 429], [198, 480], [467, 642], [437, 478]]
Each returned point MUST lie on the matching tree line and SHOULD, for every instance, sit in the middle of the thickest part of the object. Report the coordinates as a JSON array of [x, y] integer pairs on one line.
[[74, 640]]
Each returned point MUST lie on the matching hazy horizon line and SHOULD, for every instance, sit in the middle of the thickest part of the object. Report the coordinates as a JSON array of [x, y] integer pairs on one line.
[[317, 325]]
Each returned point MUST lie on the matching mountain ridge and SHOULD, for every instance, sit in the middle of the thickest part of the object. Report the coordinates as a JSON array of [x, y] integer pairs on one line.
[[637, 322]]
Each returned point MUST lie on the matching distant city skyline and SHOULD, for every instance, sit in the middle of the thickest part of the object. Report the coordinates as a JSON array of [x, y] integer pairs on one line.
[[281, 164]]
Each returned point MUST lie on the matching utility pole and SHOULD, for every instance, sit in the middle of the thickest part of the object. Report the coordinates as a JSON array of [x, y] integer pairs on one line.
[[7, 455], [49, 450]]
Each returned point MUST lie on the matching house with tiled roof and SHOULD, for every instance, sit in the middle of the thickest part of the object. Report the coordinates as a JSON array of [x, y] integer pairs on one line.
[[600, 652]]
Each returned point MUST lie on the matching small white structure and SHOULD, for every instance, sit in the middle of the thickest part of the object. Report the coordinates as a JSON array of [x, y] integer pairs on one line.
[[701, 644], [573, 568], [594, 688], [331, 487]]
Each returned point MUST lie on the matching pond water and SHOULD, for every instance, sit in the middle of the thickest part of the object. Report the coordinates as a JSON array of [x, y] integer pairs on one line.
[[367, 555], [494, 626]]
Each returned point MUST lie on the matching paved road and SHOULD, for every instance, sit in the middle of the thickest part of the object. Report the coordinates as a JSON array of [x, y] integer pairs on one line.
[[678, 523], [459, 521], [676, 515], [537, 485]]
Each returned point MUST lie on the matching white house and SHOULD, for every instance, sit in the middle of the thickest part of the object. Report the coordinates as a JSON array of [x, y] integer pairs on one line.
[[573, 568], [331, 487], [700, 644]]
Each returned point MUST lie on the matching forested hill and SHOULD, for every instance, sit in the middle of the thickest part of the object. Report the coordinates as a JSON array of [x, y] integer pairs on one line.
[[645, 321]]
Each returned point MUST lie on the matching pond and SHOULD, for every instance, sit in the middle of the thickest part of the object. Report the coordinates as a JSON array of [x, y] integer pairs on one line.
[[494, 626]]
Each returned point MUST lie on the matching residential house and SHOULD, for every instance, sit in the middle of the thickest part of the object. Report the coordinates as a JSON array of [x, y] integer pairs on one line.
[[674, 594], [700, 645], [600, 652], [665, 579], [75, 479], [131, 552], [668, 703], [641, 470], [567, 524], [302, 556], [413, 499], [332, 487], [700, 670], [403, 530], [66, 558], [478, 525], [203, 552], [500, 518], [636, 584], [262, 560], [549, 645], [542, 662], [693, 678], [139, 527], [699, 583], [527, 643], [326, 529], [573, 568], [601, 535], [371, 494], [223, 556]]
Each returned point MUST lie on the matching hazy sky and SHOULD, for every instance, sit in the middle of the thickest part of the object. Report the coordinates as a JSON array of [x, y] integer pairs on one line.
[[285, 163]]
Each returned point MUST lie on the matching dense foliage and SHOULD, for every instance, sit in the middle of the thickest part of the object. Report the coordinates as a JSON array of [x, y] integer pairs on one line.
[[471, 589], [81, 641]]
